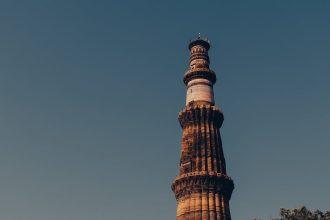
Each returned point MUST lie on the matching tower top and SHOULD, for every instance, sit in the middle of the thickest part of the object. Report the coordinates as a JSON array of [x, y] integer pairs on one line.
[[199, 78], [199, 40]]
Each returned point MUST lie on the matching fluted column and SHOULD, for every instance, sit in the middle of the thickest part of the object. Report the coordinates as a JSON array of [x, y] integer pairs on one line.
[[212, 206], [198, 208], [218, 206]]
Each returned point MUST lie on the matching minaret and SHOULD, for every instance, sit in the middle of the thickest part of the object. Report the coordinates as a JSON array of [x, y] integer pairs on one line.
[[202, 188]]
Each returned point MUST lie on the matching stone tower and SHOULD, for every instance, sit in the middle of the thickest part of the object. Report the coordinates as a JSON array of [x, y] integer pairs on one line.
[[202, 188]]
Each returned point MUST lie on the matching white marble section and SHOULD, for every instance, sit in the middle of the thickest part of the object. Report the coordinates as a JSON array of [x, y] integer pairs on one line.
[[200, 90]]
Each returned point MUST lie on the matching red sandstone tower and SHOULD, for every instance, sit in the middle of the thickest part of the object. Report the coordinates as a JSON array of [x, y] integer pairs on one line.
[[202, 188]]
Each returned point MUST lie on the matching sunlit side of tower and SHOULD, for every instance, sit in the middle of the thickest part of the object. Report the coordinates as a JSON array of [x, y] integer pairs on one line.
[[202, 188]]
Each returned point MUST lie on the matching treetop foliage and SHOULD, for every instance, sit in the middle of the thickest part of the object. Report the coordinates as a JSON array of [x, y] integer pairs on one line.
[[302, 213]]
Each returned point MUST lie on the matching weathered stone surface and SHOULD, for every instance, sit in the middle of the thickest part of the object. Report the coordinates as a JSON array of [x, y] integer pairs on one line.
[[202, 188]]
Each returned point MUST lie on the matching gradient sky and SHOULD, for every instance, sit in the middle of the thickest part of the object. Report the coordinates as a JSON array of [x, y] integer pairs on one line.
[[90, 92]]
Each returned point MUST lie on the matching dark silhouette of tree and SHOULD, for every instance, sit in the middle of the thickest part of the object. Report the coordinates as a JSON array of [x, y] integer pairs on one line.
[[303, 214]]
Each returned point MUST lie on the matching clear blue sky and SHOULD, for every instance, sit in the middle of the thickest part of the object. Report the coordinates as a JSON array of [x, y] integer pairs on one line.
[[90, 92]]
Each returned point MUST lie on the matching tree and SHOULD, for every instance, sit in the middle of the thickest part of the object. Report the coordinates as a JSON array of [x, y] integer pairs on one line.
[[303, 214]]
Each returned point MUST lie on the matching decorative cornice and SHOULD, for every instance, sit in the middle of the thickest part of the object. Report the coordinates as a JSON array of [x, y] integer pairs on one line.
[[202, 181], [197, 113], [204, 73], [200, 41]]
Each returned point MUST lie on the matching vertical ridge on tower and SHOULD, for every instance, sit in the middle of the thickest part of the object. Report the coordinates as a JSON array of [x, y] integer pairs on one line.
[[202, 188]]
